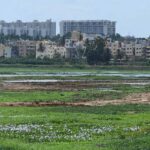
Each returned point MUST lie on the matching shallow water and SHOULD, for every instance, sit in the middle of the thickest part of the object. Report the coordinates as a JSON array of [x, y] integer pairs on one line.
[[137, 83], [42, 81], [76, 74]]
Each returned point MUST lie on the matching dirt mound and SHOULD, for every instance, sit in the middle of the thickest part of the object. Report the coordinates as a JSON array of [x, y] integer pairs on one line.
[[143, 98]]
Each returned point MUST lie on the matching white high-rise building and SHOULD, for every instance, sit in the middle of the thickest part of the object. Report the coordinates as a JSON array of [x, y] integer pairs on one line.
[[101, 27], [33, 29]]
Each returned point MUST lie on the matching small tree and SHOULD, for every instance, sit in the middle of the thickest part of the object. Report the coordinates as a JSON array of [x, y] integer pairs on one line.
[[41, 47], [107, 55], [120, 54]]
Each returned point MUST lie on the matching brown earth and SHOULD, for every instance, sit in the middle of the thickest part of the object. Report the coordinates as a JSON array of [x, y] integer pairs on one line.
[[143, 98], [67, 85], [52, 86]]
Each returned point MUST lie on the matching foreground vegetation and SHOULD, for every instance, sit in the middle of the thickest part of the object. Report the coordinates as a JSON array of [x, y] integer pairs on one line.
[[74, 128], [106, 128]]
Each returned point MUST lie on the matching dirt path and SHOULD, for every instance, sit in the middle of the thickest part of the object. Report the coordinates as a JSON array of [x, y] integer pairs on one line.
[[143, 98]]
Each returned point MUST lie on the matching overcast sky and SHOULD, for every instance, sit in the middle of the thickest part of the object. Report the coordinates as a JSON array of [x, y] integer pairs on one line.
[[132, 16]]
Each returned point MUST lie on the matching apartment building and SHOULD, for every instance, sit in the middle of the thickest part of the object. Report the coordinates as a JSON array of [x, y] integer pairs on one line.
[[26, 48], [130, 49], [2, 47], [147, 52], [134, 50], [100, 27], [33, 29], [115, 47], [72, 46], [48, 49], [7, 52]]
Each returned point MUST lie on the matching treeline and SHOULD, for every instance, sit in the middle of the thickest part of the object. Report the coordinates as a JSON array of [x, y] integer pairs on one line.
[[45, 61], [65, 62]]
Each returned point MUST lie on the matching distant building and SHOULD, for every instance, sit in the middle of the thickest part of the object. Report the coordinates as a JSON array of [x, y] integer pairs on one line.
[[130, 50], [7, 52], [100, 27], [134, 50], [72, 46], [147, 52], [33, 29], [115, 47], [2, 47], [22, 48], [70, 43], [90, 37], [75, 35], [48, 49], [26, 48]]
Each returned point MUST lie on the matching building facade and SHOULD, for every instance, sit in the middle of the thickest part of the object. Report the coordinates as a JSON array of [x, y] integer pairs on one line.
[[134, 50], [2, 47], [26, 48], [130, 50], [147, 52], [48, 49], [33, 29], [100, 27], [7, 52]]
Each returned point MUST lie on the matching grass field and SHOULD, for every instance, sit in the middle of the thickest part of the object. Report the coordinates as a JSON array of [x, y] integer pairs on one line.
[[93, 128], [9, 69], [110, 127], [117, 92]]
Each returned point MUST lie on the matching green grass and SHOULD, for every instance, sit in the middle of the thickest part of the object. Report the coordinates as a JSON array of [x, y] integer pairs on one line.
[[68, 121], [46, 69], [10, 69], [9, 96], [119, 92]]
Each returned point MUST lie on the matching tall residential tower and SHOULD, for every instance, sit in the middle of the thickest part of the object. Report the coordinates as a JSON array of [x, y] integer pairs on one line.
[[101, 27], [33, 29]]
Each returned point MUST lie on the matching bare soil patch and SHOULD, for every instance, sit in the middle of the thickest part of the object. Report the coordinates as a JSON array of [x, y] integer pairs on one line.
[[53, 86]]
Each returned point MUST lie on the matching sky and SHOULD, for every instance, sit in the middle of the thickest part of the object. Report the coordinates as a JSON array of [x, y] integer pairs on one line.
[[132, 16]]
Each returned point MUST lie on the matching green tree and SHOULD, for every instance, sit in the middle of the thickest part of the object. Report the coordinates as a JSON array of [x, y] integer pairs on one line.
[[120, 54], [96, 52], [107, 55], [41, 47]]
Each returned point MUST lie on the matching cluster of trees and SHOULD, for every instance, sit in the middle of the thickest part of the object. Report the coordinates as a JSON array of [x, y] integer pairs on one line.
[[96, 53]]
